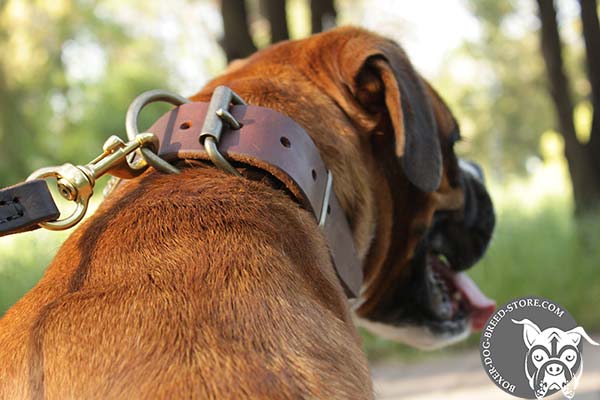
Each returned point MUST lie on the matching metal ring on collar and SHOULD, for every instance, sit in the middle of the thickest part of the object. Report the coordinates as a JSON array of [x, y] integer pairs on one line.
[[146, 156]]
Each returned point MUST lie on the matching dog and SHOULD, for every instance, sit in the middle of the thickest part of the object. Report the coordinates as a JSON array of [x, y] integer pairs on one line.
[[553, 361], [207, 285]]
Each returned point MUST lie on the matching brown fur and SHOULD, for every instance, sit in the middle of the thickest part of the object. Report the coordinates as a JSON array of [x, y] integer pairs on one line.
[[205, 285]]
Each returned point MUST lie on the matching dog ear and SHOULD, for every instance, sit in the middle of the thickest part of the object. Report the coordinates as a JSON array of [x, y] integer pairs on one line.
[[530, 331], [382, 80], [576, 334]]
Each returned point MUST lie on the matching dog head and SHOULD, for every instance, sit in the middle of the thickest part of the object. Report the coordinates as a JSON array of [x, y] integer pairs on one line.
[[388, 139], [553, 361], [420, 295]]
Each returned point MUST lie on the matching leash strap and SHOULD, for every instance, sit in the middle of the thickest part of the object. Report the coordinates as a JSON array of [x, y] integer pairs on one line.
[[274, 143], [24, 206]]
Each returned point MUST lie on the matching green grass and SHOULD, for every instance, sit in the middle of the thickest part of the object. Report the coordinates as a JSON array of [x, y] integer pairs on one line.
[[23, 259], [537, 249], [546, 254]]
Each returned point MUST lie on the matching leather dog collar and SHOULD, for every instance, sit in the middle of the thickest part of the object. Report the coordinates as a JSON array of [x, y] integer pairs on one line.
[[272, 142], [265, 140]]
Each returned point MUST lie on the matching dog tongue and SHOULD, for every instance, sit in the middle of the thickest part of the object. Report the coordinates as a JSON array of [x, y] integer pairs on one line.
[[481, 307]]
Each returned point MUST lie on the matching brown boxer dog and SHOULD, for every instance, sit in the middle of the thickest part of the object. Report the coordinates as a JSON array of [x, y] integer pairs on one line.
[[206, 285]]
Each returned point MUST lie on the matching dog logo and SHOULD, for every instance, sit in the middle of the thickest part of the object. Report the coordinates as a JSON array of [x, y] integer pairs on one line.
[[553, 361], [531, 348]]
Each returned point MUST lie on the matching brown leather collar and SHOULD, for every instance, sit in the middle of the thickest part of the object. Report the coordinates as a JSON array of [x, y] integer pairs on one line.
[[267, 141], [274, 143]]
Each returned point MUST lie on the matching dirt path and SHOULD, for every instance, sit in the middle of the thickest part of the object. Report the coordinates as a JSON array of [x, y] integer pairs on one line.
[[461, 377]]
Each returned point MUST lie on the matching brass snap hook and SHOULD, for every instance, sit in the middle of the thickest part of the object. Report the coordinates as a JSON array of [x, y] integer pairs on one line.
[[76, 183]]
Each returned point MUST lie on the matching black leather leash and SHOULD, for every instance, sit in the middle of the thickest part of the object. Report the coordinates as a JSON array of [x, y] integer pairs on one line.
[[25, 205]]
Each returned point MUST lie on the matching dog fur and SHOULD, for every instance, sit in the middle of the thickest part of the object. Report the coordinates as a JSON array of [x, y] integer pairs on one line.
[[206, 285]]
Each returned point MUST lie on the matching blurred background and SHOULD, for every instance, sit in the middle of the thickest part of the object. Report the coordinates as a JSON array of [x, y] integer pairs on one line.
[[522, 77]]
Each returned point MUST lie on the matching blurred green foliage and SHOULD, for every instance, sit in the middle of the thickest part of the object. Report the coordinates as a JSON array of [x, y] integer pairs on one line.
[[67, 75], [71, 67], [496, 85], [23, 262]]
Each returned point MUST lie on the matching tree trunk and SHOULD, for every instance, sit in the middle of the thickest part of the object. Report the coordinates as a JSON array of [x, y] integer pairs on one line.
[[591, 35], [586, 186], [323, 15], [237, 42], [275, 13]]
